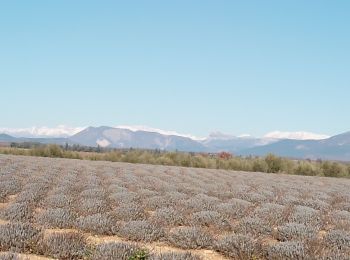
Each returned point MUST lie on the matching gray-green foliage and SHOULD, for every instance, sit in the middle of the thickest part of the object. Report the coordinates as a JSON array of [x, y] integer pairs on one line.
[[190, 238], [339, 239], [295, 231], [17, 212], [105, 224], [56, 218], [61, 245], [141, 231], [287, 250], [19, 237], [238, 246]]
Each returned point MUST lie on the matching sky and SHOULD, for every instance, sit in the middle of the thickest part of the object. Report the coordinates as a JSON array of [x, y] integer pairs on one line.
[[239, 67]]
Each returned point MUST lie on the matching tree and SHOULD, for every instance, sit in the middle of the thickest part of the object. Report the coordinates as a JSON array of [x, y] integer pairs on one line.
[[274, 163], [332, 169]]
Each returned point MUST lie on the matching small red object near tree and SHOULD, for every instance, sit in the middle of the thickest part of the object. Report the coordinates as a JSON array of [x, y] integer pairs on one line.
[[225, 155]]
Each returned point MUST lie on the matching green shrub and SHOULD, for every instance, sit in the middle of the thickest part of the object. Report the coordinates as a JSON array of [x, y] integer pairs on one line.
[[274, 163], [141, 254], [305, 168], [259, 165], [332, 169]]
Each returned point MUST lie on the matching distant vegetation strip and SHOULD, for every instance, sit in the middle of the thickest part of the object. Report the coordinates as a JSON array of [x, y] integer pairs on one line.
[[226, 161]]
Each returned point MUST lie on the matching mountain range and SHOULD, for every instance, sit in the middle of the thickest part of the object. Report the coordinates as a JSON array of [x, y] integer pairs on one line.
[[332, 148]]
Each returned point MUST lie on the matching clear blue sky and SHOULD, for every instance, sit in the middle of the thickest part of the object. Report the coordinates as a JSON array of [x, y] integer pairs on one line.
[[190, 66]]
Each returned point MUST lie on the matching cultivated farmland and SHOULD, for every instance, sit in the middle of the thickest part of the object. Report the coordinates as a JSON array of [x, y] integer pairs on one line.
[[72, 209]]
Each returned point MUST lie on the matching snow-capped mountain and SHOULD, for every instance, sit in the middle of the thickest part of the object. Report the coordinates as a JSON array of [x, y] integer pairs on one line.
[[218, 141], [42, 132], [290, 144], [125, 138], [157, 130]]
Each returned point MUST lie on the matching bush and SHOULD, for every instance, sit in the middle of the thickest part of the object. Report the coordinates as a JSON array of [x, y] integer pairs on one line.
[[141, 231], [92, 206], [11, 256], [70, 245], [332, 169], [253, 197], [260, 165], [115, 188], [340, 215], [274, 163], [33, 194], [270, 212], [334, 255], [295, 231], [169, 217], [17, 212], [253, 226], [141, 254], [339, 239], [98, 223], [202, 202], [115, 250], [50, 150], [315, 204], [175, 197], [57, 201], [130, 211], [125, 197], [95, 193], [157, 202], [340, 219], [305, 215], [9, 187], [56, 218], [238, 247], [19, 237], [287, 250], [210, 218], [235, 208], [190, 238], [306, 168]]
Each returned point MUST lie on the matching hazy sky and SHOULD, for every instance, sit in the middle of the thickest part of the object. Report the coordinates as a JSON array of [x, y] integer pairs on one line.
[[190, 66]]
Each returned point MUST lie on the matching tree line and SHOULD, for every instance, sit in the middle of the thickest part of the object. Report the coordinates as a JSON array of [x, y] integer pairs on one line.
[[269, 163]]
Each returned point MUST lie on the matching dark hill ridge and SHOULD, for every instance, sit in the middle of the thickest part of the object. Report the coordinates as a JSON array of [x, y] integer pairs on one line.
[[342, 139], [9, 139], [6, 138], [333, 148]]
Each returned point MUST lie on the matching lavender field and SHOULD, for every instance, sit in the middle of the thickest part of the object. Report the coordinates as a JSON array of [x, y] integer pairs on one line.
[[72, 209]]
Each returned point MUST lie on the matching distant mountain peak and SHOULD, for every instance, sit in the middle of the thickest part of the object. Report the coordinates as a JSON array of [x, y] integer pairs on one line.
[[6, 137], [341, 139], [288, 144], [126, 137], [136, 128], [42, 132]]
